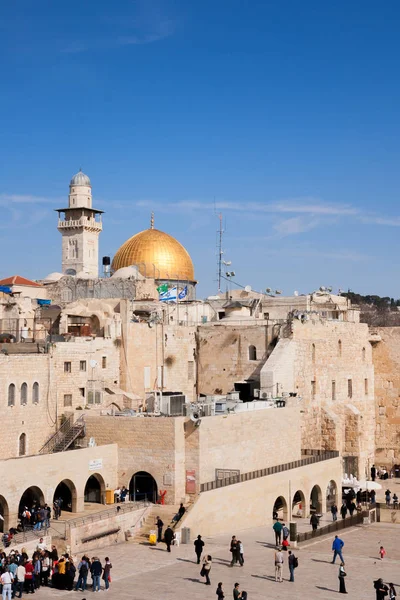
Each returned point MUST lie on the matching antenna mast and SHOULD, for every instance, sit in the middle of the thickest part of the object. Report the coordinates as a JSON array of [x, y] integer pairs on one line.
[[220, 252]]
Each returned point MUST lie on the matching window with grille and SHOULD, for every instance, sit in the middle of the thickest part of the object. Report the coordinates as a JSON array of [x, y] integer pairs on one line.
[[67, 367], [11, 394], [82, 365], [24, 393], [350, 388], [35, 392]]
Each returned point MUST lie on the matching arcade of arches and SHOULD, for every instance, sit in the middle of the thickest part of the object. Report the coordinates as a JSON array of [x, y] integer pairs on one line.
[[301, 508]]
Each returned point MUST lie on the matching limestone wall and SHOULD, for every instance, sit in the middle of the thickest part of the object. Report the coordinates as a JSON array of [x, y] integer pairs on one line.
[[329, 364], [249, 504], [386, 357], [223, 354], [119, 524], [249, 441], [46, 471], [151, 444]]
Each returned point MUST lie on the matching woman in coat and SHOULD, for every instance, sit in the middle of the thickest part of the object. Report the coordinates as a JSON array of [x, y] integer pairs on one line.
[[206, 568], [106, 573], [342, 575]]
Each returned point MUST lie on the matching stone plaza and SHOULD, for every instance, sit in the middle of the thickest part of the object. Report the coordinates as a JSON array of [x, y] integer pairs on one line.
[[144, 572]]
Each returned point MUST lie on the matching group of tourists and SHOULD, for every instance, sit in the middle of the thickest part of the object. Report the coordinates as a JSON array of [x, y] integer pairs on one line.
[[21, 573]]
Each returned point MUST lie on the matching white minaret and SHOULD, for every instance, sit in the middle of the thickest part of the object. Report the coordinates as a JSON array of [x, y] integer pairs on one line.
[[80, 226]]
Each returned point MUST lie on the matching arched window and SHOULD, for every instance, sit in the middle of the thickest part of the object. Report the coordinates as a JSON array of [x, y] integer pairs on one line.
[[252, 353], [340, 347], [22, 444], [11, 395], [313, 353], [35, 392], [363, 353], [24, 393]]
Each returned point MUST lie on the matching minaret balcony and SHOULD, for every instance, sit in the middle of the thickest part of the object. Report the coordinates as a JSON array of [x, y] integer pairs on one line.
[[82, 222]]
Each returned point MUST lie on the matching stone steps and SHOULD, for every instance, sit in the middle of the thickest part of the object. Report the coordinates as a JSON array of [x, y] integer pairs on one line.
[[166, 514]]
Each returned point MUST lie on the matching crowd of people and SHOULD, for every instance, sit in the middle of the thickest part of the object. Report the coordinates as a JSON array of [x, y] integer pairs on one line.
[[21, 573]]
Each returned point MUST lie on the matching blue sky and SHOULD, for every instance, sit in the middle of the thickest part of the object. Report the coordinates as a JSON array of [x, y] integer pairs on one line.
[[283, 115]]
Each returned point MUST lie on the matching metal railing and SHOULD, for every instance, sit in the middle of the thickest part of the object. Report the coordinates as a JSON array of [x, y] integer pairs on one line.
[[332, 527], [60, 437], [312, 456], [118, 509]]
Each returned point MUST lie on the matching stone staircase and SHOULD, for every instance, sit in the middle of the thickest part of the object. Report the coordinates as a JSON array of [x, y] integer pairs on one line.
[[166, 514]]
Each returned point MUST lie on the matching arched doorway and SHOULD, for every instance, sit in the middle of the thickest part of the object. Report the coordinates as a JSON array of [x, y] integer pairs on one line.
[[331, 495], [299, 504], [66, 491], [280, 509], [316, 500], [4, 524], [95, 489], [143, 486], [32, 496]]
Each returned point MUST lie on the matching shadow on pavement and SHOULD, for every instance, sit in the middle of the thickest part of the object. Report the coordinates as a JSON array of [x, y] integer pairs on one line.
[[320, 587]]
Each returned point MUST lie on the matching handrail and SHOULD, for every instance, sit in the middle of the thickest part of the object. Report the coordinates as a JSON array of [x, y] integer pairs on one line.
[[331, 527], [60, 434], [106, 514], [313, 456]]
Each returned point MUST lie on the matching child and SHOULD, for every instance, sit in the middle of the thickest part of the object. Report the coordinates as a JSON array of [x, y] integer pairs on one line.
[[241, 553], [382, 552], [392, 592], [285, 544]]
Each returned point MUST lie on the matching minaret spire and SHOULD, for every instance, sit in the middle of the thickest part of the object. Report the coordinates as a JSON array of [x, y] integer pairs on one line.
[[152, 221]]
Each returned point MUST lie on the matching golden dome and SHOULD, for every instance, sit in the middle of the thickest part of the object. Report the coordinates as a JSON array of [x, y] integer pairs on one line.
[[157, 255]]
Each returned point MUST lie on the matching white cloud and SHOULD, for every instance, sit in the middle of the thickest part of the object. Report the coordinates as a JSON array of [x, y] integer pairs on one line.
[[295, 225], [6, 199]]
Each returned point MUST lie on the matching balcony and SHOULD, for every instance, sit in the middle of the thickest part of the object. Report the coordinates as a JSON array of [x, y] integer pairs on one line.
[[84, 222]]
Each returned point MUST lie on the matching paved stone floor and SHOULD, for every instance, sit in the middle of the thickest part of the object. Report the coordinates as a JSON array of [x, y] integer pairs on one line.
[[143, 572]]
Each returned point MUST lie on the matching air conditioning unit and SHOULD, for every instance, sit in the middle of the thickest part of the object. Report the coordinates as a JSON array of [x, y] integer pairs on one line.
[[266, 395], [173, 406], [256, 393], [235, 396]]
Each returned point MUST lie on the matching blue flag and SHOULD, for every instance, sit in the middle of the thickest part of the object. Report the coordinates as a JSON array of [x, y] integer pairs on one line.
[[183, 293]]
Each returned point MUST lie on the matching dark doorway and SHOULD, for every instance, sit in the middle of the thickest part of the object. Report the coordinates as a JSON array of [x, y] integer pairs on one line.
[[66, 491], [4, 513], [94, 489], [143, 487], [33, 496]]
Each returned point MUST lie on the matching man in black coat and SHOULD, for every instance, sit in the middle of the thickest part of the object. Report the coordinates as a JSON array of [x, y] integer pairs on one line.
[[160, 525], [198, 548], [168, 537]]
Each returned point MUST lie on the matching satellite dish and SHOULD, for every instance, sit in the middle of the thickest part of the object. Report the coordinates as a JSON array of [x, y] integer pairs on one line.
[[93, 363], [151, 324], [278, 291], [268, 290], [295, 293], [247, 288], [195, 416], [330, 289]]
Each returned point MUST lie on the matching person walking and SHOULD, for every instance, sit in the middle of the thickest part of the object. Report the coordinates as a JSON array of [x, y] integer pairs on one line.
[[278, 565], [198, 548], [337, 546], [334, 511], [168, 537], [106, 573], [392, 592], [285, 531], [277, 527], [387, 498], [373, 472], [343, 510], [220, 592], [83, 570], [381, 589], [96, 570], [382, 552], [206, 568], [241, 553], [6, 581], [234, 550], [342, 575], [314, 522], [292, 562], [20, 579], [160, 525]]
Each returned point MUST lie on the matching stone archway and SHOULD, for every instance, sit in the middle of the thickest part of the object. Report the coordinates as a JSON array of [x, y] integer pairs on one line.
[[32, 496], [66, 490], [4, 512], [95, 489], [280, 510], [316, 499], [331, 495], [143, 486], [299, 504]]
